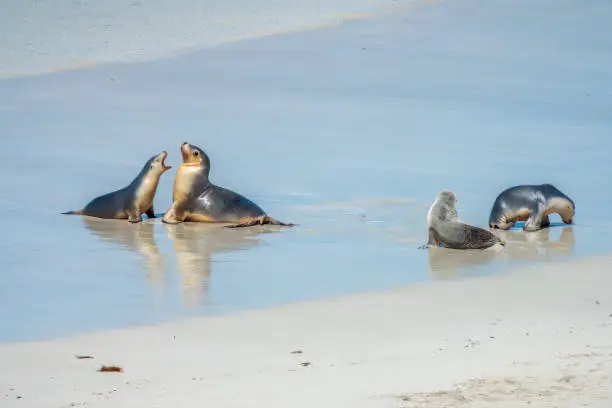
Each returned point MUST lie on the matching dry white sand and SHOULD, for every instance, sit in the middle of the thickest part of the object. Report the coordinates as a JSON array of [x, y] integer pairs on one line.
[[538, 337]]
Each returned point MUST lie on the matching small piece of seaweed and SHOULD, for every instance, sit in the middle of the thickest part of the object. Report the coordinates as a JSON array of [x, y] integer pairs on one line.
[[110, 369]]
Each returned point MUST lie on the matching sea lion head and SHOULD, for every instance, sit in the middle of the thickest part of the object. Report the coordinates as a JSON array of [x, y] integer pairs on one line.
[[560, 203], [444, 208], [193, 156], [564, 206], [448, 198], [157, 164]]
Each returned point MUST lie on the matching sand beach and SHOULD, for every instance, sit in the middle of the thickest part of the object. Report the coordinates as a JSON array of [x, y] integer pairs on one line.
[[346, 118]]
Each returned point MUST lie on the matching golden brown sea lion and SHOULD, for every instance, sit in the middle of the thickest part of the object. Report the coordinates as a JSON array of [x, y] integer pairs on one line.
[[196, 199]]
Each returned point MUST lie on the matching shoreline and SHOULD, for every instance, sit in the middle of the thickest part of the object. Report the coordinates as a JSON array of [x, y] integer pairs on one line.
[[538, 333], [132, 57]]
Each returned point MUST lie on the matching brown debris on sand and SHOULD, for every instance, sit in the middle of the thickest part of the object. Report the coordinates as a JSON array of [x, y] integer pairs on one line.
[[110, 369]]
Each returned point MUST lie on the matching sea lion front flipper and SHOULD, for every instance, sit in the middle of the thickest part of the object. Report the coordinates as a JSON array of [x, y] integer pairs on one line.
[[433, 240], [545, 222], [170, 217], [535, 220], [134, 218], [150, 213], [170, 220], [134, 215]]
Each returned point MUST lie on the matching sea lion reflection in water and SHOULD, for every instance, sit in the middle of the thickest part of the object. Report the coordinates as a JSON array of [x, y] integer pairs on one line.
[[194, 247], [139, 239], [196, 199], [536, 246], [132, 201]]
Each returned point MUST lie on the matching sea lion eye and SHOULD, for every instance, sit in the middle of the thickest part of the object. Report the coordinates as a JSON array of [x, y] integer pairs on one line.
[[196, 154]]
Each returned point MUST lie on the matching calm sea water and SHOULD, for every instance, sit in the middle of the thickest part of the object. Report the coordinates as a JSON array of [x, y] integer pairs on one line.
[[348, 131]]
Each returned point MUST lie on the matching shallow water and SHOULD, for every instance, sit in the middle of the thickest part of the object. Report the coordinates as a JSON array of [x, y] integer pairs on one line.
[[348, 131]]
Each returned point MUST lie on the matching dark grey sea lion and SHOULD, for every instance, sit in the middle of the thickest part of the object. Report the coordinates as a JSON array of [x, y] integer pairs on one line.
[[532, 204], [445, 228], [196, 199], [132, 201]]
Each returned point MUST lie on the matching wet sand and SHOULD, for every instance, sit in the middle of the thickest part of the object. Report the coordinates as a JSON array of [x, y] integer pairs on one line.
[[537, 337], [349, 131]]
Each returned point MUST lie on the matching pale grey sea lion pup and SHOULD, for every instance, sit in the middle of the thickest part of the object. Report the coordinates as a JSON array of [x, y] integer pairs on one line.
[[445, 228], [132, 201], [532, 204]]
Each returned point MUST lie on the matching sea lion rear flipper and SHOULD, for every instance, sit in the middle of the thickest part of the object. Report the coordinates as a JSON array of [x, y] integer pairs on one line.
[[260, 221], [78, 212], [273, 221], [480, 238], [466, 236]]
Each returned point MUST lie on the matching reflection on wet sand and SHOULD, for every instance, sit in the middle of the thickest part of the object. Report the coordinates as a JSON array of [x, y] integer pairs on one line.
[[520, 246], [138, 238], [194, 246]]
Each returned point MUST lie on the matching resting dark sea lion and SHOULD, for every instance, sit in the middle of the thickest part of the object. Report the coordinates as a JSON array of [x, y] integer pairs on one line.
[[196, 199], [132, 201], [445, 228], [530, 203]]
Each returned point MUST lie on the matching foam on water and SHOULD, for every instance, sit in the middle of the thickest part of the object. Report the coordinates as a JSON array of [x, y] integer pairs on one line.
[[349, 131]]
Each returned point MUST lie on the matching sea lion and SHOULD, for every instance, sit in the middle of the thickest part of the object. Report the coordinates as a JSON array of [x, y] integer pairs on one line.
[[447, 230], [132, 201], [530, 203], [196, 199]]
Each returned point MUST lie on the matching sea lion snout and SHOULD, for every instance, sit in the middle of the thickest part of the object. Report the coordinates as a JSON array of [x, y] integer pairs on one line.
[[165, 166], [159, 162], [193, 156], [185, 151]]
